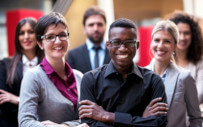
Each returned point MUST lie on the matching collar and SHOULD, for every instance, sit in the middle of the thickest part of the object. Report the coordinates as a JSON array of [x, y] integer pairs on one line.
[[111, 70], [27, 62], [90, 44]]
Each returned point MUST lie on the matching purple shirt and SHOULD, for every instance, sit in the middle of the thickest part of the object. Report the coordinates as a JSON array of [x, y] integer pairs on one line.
[[67, 88]]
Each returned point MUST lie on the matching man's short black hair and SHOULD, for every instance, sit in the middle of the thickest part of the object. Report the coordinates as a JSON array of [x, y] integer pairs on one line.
[[123, 22]]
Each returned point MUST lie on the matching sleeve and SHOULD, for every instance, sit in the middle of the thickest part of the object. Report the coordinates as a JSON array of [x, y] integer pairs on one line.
[[73, 123], [3, 76], [126, 119], [70, 59], [199, 81], [192, 103], [87, 93], [29, 98]]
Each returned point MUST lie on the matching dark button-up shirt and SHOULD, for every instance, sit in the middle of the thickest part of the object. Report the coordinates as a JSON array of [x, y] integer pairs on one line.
[[126, 98]]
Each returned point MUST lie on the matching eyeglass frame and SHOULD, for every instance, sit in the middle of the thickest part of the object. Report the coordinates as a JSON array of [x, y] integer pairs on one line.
[[123, 43], [58, 35]]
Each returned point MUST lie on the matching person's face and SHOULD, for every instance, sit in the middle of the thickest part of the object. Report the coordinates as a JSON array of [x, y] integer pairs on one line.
[[27, 38], [122, 56], [162, 46], [58, 48], [95, 28], [185, 37]]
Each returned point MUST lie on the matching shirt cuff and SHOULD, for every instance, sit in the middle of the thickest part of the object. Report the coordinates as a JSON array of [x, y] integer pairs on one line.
[[122, 118]]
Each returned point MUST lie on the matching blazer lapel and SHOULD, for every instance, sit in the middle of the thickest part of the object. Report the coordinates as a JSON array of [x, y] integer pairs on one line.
[[170, 82], [86, 58]]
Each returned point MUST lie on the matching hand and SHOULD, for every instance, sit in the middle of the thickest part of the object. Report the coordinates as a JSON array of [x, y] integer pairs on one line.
[[48, 122], [155, 107], [8, 97], [83, 125], [91, 110]]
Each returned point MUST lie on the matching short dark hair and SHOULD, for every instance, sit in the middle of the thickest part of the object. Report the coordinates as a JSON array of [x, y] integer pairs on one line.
[[47, 20], [195, 49], [93, 10], [123, 22]]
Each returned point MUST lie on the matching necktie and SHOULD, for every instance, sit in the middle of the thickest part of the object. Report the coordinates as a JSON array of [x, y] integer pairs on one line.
[[96, 58]]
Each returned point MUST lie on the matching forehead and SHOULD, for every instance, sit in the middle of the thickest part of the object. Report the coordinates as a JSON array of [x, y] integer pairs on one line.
[[54, 27], [122, 33], [183, 26], [94, 19], [26, 26]]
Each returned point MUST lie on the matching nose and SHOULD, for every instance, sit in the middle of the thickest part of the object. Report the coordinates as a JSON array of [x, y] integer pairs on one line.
[[57, 40], [95, 27], [181, 36], [122, 48], [160, 44], [26, 35]]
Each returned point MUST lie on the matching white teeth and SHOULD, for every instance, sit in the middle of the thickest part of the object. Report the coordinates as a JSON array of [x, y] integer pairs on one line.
[[122, 56], [58, 48], [160, 52]]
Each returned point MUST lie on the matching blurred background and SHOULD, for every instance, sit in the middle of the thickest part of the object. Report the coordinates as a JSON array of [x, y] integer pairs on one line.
[[145, 13]]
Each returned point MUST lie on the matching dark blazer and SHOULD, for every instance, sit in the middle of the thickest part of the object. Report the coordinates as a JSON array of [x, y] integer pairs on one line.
[[8, 111], [78, 58]]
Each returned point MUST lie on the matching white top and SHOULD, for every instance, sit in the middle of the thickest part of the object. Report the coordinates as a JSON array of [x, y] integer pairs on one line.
[[28, 64]]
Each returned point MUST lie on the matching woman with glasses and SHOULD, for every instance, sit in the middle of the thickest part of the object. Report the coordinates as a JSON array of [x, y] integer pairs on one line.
[[49, 93], [27, 55], [179, 85]]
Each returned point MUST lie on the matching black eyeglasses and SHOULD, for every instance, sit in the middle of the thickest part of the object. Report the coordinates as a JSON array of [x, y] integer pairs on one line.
[[52, 37], [127, 43]]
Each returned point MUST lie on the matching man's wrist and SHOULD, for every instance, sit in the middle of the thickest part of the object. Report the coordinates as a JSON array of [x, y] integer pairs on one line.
[[108, 117]]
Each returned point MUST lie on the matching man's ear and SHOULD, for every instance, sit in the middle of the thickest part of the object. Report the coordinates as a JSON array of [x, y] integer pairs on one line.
[[138, 45], [40, 45], [108, 45]]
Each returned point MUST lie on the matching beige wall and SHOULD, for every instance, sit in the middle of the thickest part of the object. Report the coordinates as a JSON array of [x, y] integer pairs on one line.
[[133, 9], [74, 18]]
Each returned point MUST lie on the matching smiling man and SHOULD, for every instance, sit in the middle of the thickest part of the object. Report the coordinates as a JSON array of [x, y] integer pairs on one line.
[[118, 93]]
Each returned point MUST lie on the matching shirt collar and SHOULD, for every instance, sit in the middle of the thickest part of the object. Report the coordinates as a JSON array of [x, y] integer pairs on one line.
[[49, 69], [111, 70], [27, 62], [90, 44]]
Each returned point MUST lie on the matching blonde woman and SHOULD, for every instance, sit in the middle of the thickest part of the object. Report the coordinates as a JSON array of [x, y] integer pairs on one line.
[[179, 85]]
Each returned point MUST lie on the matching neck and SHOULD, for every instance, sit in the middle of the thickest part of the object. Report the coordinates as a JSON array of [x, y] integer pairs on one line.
[[181, 58], [30, 54], [160, 67], [59, 66], [124, 70]]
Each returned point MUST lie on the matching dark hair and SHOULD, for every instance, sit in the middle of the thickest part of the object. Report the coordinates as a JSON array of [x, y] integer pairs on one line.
[[93, 10], [47, 20], [123, 23], [195, 49], [19, 50]]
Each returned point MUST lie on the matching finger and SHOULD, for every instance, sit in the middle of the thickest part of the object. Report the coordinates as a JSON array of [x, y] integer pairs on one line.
[[155, 101], [2, 91], [83, 111], [85, 107], [160, 104], [86, 102], [160, 113], [158, 109], [85, 115]]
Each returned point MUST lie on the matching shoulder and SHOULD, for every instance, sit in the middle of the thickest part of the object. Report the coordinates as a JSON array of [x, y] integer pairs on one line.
[[147, 73], [78, 49], [78, 74]]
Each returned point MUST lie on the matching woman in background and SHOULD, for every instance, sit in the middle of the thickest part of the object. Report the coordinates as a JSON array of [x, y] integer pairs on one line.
[[27, 55], [189, 50], [179, 85], [49, 92]]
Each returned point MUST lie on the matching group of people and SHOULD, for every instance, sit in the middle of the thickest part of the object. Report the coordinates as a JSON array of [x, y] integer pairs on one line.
[[41, 87]]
